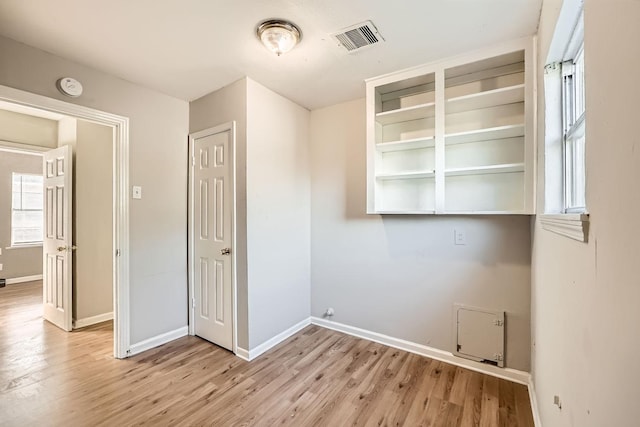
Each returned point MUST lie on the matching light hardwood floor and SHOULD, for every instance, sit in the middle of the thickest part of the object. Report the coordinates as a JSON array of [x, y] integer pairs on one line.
[[316, 378]]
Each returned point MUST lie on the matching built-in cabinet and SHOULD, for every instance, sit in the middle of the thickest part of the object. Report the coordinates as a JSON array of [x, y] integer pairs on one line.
[[455, 136]]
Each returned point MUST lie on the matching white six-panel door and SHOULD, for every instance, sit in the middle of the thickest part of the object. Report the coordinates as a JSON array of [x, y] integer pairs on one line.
[[211, 235], [57, 239]]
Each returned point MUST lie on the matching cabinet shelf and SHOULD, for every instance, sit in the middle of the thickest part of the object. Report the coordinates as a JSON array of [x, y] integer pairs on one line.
[[406, 175], [490, 98], [407, 144], [406, 114], [488, 134], [484, 170]]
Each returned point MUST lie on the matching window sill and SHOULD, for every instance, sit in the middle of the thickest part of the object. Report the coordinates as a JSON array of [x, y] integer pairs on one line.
[[25, 246], [574, 226]]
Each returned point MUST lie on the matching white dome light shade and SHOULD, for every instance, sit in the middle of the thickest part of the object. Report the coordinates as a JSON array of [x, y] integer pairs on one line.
[[279, 36]]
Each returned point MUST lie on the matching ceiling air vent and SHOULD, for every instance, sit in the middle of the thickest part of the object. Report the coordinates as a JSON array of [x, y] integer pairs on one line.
[[358, 36]]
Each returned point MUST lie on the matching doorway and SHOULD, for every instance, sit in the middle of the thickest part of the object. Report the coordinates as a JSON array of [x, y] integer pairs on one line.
[[119, 208]]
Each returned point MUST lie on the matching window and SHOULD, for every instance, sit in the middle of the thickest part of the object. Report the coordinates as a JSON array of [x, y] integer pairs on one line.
[[573, 119], [27, 204], [565, 207]]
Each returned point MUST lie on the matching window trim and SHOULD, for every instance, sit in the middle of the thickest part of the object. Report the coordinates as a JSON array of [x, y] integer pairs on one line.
[[572, 225]]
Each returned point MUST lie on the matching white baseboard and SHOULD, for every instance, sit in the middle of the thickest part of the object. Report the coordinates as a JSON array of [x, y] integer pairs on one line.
[[88, 321], [243, 354], [514, 375], [24, 279], [267, 345], [534, 404], [157, 340]]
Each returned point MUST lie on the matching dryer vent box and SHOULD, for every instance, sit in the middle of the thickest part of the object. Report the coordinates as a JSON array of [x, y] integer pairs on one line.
[[479, 334]]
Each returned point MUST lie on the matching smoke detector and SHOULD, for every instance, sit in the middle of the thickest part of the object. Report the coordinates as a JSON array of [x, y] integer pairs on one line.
[[359, 36]]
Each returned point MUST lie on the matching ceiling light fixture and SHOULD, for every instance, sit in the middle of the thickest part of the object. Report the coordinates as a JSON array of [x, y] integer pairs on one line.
[[279, 36]]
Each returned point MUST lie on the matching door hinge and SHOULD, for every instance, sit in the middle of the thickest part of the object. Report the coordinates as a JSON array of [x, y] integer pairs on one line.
[[193, 160], [193, 302], [117, 252], [497, 357], [498, 322]]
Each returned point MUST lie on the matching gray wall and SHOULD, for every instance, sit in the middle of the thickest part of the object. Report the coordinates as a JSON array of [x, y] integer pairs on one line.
[[585, 295], [158, 152], [278, 213], [401, 275], [17, 262], [93, 221], [272, 180]]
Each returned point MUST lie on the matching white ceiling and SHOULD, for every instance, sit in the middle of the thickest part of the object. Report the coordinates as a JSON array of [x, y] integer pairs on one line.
[[188, 48]]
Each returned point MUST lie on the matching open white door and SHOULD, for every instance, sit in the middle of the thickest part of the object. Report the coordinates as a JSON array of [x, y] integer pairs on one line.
[[211, 234], [57, 246]]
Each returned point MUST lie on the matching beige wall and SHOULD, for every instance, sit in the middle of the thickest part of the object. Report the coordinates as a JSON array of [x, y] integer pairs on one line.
[[272, 180], [24, 129], [585, 295], [17, 262], [158, 152], [400, 275], [227, 105], [93, 221]]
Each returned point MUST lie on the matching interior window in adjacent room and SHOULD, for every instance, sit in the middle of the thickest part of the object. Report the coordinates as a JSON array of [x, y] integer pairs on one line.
[[26, 212]]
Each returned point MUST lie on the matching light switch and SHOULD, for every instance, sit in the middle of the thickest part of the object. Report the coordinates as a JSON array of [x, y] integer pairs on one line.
[[137, 192], [460, 237]]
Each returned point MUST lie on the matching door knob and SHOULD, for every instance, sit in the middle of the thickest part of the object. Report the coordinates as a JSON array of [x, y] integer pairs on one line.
[[67, 248], [225, 251]]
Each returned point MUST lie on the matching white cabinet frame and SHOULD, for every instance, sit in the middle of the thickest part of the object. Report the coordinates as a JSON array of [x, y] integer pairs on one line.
[[440, 140]]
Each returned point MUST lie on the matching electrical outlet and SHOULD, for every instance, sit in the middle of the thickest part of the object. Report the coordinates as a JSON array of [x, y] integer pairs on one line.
[[460, 237], [0, 267], [557, 402]]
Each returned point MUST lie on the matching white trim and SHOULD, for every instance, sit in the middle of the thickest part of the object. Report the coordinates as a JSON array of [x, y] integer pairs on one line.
[[25, 246], [231, 127], [533, 399], [243, 354], [568, 18], [23, 279], [20, 148], [270, 343], [573, 226], [120, 125], [514, 375], [158, 340], [88, 321]]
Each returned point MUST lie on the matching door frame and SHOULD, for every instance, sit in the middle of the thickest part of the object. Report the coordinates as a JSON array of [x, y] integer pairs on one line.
[[231, 127], [120, 125]]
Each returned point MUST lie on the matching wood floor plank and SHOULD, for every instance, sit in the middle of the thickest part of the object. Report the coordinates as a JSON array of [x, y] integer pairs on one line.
[[490, 402], [472, 406], [317, 377]]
